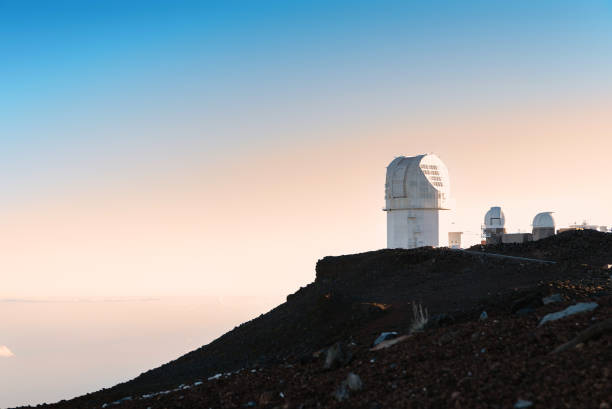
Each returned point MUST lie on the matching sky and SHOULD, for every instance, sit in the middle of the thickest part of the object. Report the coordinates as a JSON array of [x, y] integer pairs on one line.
[[223, 147]]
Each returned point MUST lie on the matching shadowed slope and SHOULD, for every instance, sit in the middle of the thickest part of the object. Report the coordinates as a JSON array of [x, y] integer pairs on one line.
[[357, 296]]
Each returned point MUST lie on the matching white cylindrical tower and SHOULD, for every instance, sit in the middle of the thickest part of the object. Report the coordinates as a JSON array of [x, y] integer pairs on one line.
[[417, 189], [494, 225], [543, 226]]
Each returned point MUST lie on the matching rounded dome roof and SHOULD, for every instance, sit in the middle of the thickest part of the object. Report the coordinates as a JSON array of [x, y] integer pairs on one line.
[[544, 219], [417, 182], [495, 218]]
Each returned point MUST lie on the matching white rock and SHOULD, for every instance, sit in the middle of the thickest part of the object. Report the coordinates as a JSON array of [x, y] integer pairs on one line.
[[353, 381], [552, 299], [520, 404], [571, 310], [384, 336]]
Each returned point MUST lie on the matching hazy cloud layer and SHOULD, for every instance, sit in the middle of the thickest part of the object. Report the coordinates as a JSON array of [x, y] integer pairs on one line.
[[74, 299], [5, 352]]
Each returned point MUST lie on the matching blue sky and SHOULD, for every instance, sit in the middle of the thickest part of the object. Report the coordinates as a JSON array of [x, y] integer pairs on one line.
[[94, 60], [91, 86]]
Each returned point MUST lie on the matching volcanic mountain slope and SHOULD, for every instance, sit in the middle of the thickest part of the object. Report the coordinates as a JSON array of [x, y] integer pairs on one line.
[[505, 361], [356, 297]]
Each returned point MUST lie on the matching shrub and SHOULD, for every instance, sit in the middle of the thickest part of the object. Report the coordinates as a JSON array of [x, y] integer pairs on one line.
[[420, 317]]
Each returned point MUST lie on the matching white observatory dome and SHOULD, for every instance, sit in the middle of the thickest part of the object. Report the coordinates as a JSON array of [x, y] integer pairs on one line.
[[418, 182], [544, 220], [494, 219]]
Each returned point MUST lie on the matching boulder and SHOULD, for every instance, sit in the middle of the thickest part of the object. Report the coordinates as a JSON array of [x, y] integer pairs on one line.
[[552, 299], [353, 382], [383, 337], [571, 310], [337, 355], [521, 404]]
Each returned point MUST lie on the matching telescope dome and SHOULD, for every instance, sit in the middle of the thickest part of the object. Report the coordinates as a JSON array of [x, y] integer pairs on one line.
[[417, 182], [544, 220], [494, 218]]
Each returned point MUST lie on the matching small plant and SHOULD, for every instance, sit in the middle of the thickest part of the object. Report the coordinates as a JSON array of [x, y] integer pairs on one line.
[[420, 317]]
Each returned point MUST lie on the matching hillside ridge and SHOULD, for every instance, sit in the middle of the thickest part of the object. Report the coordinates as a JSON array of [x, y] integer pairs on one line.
[[356, 297]]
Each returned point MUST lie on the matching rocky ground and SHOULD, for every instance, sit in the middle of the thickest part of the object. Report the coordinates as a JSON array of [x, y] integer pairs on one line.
[[483, 345], [581, 246]]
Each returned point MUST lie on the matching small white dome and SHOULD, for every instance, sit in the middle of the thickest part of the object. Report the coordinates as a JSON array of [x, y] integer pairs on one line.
[[544, 220], [495, 219]]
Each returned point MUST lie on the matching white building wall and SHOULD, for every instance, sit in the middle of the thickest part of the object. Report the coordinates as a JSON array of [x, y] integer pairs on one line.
[[454, 240], [416, 228]]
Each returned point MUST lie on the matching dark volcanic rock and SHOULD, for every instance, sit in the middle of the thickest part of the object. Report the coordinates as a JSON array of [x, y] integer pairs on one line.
[[336, 356], [511, 359], [439, 320], [527, 303]]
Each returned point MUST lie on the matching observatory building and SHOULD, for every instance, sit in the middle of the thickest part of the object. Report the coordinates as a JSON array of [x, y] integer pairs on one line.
[[543, 226], [417, 194], [584, 226], [494, 230], [494, 225]]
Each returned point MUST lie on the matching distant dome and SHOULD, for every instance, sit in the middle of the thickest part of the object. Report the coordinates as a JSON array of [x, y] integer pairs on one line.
[[494, 219], [417, 182], [544, 220]]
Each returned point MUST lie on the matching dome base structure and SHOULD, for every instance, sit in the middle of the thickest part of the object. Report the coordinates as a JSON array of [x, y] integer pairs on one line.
[[543, 225], [540, 233], [412, 228]]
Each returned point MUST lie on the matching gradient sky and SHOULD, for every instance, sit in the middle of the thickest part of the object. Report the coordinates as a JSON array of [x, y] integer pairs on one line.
[[175, 147]]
